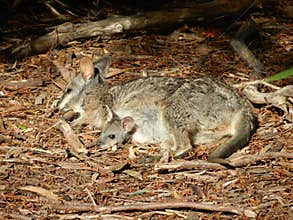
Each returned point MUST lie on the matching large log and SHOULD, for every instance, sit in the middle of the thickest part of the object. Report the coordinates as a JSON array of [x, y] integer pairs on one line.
[[67, 32]]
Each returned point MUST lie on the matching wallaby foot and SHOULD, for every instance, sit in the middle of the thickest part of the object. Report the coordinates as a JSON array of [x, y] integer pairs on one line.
[[178, 145]]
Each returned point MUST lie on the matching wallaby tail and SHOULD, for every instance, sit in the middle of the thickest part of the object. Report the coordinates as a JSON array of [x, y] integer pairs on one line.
[[242, 129]]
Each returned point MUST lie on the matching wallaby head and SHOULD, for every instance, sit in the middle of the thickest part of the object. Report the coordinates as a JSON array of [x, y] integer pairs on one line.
[[89, 73], [116, 131]]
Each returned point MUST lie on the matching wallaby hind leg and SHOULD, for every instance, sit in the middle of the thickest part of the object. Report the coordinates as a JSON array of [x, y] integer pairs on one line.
[[179, 143], [241, 130]]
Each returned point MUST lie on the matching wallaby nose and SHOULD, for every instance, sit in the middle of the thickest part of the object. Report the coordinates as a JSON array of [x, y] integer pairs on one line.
[[70, 115], [76, 115], [60, 104]]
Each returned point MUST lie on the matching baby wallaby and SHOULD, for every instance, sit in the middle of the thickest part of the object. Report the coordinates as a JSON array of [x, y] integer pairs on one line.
[[117, 131], [175, 113]]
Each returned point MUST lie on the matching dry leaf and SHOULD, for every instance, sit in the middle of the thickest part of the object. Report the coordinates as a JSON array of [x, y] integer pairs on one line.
[[41, 191]]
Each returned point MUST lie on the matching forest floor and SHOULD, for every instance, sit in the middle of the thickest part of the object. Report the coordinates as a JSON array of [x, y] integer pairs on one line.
[[40, 178]]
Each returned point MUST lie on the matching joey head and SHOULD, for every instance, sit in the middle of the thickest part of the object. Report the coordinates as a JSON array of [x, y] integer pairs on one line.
[[117, 131]]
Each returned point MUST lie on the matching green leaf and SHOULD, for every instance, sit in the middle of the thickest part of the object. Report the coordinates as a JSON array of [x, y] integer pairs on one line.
[[22, 127], [282, 75], [138, 192]]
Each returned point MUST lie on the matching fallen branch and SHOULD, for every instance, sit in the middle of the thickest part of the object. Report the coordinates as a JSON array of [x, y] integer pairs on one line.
[[77, 207], [187, 165], [282, 98], [71, 137], [256, 82], [27, 83], [278, 98], [252, 159], [238, 43], [68, 32], [204, 165]]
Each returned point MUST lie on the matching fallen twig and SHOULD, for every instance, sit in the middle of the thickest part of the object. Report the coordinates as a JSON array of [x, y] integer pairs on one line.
[[278, 99], [282, 98], [71, 137], [65, 72], [256, 82], [245, 32], [78, 207], [188, 165], [23, 83], [251, 159]]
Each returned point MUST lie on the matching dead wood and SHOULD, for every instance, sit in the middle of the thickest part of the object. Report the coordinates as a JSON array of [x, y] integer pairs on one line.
[[279, 98], [28, 83], [282, 98], [78, 207], [252, 159], [2, 125], [188, 165], [245, 32], [67, 32], [235, 162], [71, 137]]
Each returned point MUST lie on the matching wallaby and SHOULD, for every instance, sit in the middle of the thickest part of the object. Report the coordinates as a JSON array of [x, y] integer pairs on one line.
[[88, 73], [173, 112]]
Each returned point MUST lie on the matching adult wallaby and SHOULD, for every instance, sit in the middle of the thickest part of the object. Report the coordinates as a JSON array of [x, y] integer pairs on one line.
[[173, 112]]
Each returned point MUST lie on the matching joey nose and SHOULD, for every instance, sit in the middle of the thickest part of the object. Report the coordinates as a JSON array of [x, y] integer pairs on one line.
[[99, 143]]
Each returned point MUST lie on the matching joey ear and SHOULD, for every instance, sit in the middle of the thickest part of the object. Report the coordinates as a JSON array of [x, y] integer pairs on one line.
[[102, 66], [128, 124], [110, 113], [86, 68]]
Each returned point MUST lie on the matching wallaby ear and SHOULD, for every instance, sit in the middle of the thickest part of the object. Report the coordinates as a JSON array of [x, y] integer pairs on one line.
[[86, 68], [102, 66], [128, 124], [110, 113]]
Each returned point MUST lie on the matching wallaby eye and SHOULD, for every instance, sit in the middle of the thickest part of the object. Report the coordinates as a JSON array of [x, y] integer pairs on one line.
[[68, 91], [111, 136]]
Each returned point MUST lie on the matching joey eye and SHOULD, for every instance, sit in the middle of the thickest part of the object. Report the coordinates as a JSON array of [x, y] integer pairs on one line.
[[96, 71], [68, 91], [111, 136]]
